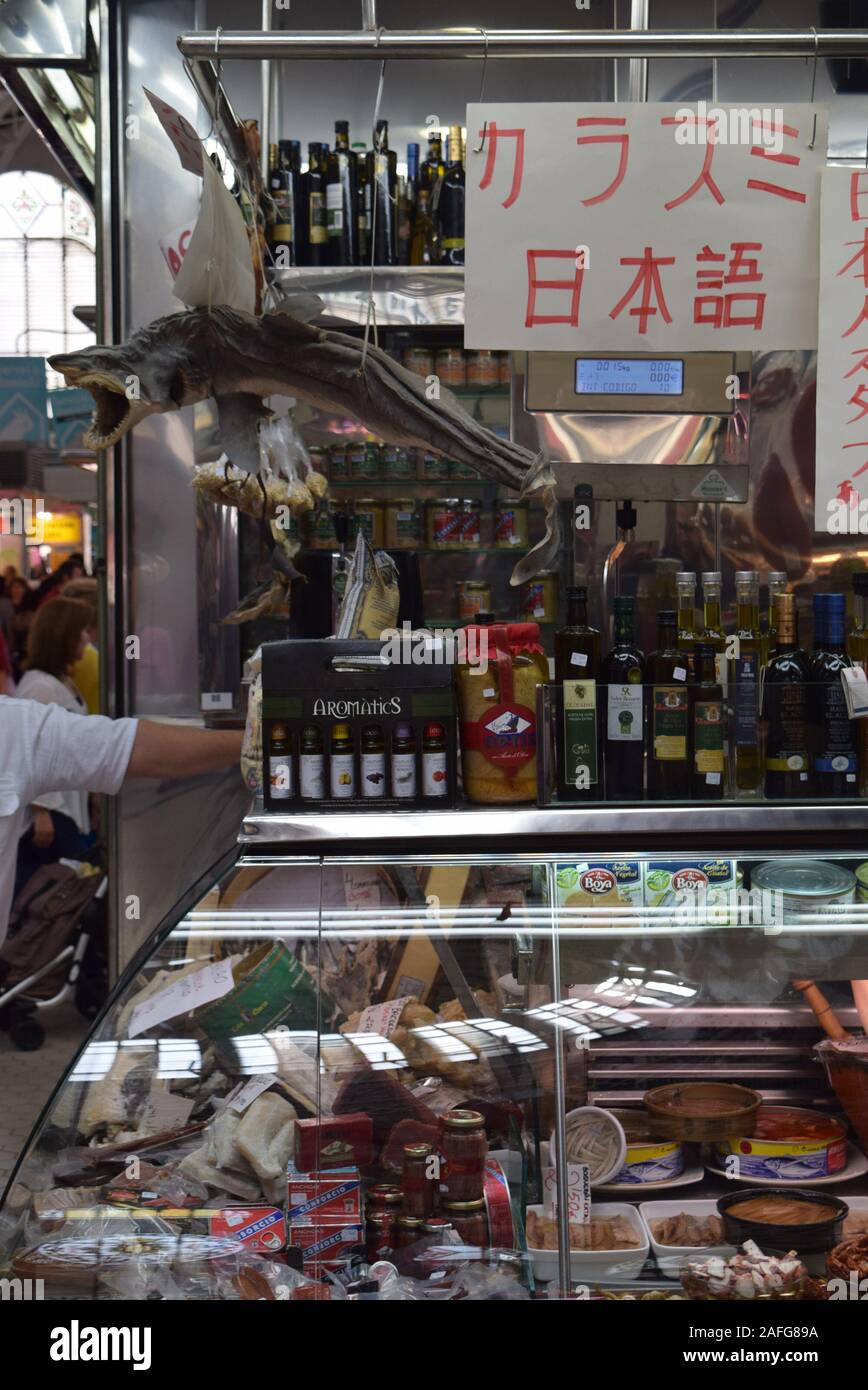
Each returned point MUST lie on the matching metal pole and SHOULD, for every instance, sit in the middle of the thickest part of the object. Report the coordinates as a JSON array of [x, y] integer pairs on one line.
[[638, 80], [527, 43], [369, 15], [265, 80]]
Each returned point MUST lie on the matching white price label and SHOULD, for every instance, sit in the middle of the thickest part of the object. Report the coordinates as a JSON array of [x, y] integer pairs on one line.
[[182, 996]]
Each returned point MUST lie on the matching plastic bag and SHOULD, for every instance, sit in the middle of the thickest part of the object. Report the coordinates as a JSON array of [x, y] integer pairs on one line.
[[370, 604], [217, 268]]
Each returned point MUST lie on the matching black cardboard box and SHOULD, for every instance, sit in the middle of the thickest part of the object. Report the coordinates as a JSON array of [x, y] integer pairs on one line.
[[322, 683]]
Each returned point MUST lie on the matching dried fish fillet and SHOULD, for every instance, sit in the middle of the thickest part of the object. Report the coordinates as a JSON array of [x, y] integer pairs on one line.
[[266, 1135]]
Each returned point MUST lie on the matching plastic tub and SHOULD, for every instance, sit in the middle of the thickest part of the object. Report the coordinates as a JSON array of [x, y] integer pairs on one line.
[[670, 1258], [594, 1266]]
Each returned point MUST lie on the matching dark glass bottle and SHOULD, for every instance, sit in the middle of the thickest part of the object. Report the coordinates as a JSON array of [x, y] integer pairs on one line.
[[280, 219], [315, 203], [342, 764], [688, 630], [744, 684], [450, 206], [372, 762], [433, 167], [404, 762], [435, 766], [834, 755], [785, 706], [423, 248], [341, 199], [280, 764], [707, 729], [712, 624], [382, 176], [577, 669], [407, 206], [622, 683], [312, 764], [857, 650], [363, 205], [668, 715]]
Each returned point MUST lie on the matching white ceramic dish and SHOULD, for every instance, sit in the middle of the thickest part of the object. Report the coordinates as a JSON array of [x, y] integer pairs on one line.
[[670, 1258], [856, 1167], [593, 1266], [693, 1172]]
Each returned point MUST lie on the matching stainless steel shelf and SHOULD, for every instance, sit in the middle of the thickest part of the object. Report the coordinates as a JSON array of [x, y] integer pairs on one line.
[[677, 824], [404, 296]]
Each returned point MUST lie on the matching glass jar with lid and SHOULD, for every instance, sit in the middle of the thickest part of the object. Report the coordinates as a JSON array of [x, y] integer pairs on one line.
[[468, 1220], [497, 679], [417, 1181], [464, 1149]]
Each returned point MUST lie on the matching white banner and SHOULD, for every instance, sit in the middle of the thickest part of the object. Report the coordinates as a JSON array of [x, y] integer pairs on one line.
[[642, 226], [841, 491]]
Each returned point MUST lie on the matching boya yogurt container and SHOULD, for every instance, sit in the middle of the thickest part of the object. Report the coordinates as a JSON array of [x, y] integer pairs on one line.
[[789, 1145], [649, 1157]]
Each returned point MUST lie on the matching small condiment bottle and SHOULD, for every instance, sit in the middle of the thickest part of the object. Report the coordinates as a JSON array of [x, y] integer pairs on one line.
[[418, 1180], [373, 761], [311, 765], [403, 762], [280, 764], [464, 1149], [435, 774], [343, 770]]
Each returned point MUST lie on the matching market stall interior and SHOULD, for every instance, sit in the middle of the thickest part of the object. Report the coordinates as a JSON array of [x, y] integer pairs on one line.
[[551, 903]]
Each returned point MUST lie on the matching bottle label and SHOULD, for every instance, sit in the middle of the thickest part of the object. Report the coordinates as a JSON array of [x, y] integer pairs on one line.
[[721, 670], [786, 714], [404, 774], [837, 732], [624, 720], [505, 736], [343, 775], [317, 219], [435, 775], [747, 700], [670, 723], [580, 733], [708, 727], [312, 776], [373, 774], [335, 209], [280, 777]]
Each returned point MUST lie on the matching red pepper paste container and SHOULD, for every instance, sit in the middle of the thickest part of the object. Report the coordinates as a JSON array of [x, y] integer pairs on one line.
[[463, 1149], [417, 1183]]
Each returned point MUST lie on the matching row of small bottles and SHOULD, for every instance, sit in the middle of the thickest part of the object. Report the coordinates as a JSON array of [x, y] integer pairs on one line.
[[351, 201], [706, 708], [342, 776]]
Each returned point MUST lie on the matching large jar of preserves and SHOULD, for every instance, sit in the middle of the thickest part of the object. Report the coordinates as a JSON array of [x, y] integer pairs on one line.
[[463, 1151], [468, 1220], [504, 663], [381, 1233], [417, 1181]]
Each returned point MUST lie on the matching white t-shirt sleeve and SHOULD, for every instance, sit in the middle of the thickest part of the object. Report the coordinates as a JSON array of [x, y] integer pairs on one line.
[[75, 752]]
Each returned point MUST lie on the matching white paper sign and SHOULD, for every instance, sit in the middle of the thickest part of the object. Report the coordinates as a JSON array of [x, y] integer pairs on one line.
[[642, 227], [180, 997], [180, 132], [382, 1019], [841, 492], [174, 247], [245, 1094], [164, 1111], [578, 1193]]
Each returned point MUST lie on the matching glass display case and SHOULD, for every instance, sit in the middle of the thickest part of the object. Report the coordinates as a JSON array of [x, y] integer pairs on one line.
[[525, 1071]]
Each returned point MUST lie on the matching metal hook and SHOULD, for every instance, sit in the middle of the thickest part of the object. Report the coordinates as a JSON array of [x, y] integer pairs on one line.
[[813, 138], [477, 149]]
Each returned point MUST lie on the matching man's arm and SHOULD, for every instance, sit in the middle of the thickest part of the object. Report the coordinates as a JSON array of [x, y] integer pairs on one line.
[[171, 750]]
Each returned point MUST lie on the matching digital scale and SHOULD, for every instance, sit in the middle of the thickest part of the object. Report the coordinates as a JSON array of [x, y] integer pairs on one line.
[[689, 383]]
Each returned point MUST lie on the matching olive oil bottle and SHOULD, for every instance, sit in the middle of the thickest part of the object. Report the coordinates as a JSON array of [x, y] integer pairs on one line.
[[577, 670], [622, 678], [708, 729], [744, 681], [857, 650], [834, 761], [668, 716], [785, 707], [688, 632], [712, 624]]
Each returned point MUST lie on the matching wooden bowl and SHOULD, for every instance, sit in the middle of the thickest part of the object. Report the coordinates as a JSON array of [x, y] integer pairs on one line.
[[701, 1110]]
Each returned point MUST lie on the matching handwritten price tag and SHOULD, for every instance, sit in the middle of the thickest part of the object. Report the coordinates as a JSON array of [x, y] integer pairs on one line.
[[182, 996], [180, 132], [578, 1193]]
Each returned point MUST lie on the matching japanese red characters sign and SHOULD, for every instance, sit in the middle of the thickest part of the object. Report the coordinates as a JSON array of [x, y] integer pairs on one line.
[[621, 226], [841, 498]]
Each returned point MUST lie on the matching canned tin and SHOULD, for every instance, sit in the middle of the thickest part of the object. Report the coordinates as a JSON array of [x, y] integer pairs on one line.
[[471, 522], [445, 523], [504, 369], [433, 467], [510, 524], [419, 360], [339, 466], [322, 532], [368, 518], [364, 460], [473, 596], [398, 464], [540, 604], [461, 470], [402, 524], [450, 367], [482, 368], [807, 886]]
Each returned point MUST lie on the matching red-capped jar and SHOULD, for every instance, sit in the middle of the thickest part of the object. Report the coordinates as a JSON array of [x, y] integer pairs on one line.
[[469, 1221], [417, 1183], [464, 1149], [381, 1235]]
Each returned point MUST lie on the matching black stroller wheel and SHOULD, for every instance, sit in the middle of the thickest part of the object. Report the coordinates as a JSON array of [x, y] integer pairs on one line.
[[27, 1035]]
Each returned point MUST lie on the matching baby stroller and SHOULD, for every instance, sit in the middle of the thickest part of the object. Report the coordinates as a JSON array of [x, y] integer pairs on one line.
[[49, 953]]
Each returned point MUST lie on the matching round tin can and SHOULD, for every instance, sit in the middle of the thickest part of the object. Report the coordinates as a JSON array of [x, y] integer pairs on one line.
[[339, 467], [450, 367], [510, 524], [471, 521], [433, 467], [398, 464], [364, 460], [322, 532], [474, 595], [482, 368], [368, 518], [540, 603], [402, 524], [419, 360], [649, 1157], [445, 523], [789, 1144], [807, 886]]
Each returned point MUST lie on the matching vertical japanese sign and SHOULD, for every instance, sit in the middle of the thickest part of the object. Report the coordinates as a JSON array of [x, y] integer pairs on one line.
[[841, 495], [633, 227]]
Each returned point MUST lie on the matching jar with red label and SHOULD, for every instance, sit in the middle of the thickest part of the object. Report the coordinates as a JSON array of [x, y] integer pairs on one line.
[[468, 1220], [464, 1149], [384, 1197], [511, 530], [482, 368], [419, 360], [417, 1180], [502, 664], [450, 367], [381, 1234], [471, 522], [445, 523]]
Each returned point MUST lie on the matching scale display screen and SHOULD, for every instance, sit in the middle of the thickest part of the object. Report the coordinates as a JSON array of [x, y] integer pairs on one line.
[[629, 376]]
